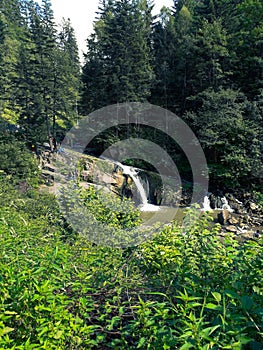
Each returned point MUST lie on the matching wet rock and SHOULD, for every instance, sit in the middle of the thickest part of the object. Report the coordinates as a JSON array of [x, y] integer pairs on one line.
[[237, 208], [252, 206], [248, 234], [232, 228], [256, 234], [215, 201], [233, 221], [212, 199], [119, 180], [223, 216], [246, 219]]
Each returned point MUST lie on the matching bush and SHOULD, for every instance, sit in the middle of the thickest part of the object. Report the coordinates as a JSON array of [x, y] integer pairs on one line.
[[180, 290], [17, 161]]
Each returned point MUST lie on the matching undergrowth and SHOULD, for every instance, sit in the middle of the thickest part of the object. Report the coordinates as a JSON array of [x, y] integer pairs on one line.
[[179, 290]]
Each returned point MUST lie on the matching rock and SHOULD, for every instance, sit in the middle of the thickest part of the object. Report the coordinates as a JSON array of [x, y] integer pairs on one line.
[[223, 234], [119, 180], [233, 220], [238, 208], [256, 234], [231, 228], [212, 199], [252, 206], [222, 217], [245, 218], [85, 175], [127, 192], [215, 201], [107, 179], [248, 234]]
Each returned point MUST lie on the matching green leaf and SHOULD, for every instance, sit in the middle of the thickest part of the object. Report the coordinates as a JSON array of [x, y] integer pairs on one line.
[[212, 306], [187, 346], [141, 342], [5, 330], [217, 296], [209, 330], [231, 294], [58, 335], [10, 313]]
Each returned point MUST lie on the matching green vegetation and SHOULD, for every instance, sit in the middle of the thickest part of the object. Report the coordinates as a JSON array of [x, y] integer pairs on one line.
[[62, 287], [17, 161], [59, 291], [201, 60], [39, 70]]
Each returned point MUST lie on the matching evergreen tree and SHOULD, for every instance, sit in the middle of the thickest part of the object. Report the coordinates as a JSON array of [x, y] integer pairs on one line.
[[67, 76], [10, 28], [210, 64], [49, 74], [249, 47], [44, 37], [226, 134], [117, 65], [183, 53], [163, 63]]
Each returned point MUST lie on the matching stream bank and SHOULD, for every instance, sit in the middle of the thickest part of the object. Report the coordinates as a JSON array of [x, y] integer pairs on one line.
[[235, 212]]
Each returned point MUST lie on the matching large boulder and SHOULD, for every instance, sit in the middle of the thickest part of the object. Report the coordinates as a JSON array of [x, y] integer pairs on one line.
[[223, 217]]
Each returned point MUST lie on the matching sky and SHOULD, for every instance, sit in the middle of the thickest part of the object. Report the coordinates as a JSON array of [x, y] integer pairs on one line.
[[82, 14]]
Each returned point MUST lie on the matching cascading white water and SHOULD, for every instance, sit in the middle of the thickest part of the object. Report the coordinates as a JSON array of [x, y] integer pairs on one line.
[[206, 204], [225, 205], [132, 172]]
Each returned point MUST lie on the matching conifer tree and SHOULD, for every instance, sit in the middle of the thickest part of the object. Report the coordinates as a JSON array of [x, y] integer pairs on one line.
[[49, 74], [117, 65], [10, 28], [67, 76]]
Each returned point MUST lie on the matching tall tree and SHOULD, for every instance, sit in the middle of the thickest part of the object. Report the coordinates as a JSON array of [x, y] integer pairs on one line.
[[210, 68], [227, 135], [249, 47], [49, 73], [117, 65], [173, 52], [163, 63], [10, 29], [67, 76]]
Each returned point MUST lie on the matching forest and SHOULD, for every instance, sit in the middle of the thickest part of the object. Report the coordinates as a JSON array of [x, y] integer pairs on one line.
[[196, 288]]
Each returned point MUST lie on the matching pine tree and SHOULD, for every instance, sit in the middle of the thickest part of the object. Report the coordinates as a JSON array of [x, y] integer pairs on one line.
[[38, 73], [117, 65], [10, 28], [67, 76], [226, 134], [163, 62], [173, 42], [211, 56], [48, 73], [249, 47]]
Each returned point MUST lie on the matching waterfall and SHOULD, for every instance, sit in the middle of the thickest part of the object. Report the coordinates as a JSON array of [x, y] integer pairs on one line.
[[223, 200], [132, 172], [225, 205], [127, 170], [206, 204]]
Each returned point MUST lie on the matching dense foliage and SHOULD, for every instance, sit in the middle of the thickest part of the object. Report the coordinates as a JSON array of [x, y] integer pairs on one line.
[[200, 59], [39, 69], [17, 161], [177, 290], [186, 287]]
